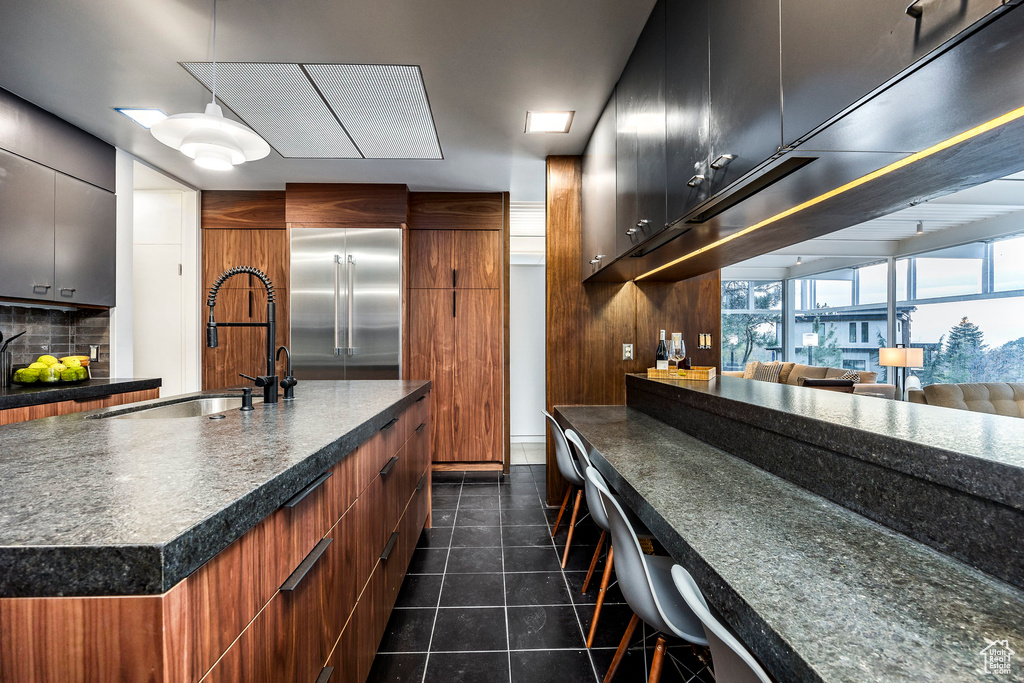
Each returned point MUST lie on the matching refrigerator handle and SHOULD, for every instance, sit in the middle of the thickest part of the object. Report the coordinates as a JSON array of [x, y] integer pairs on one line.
[[337, 302], [350, 349]]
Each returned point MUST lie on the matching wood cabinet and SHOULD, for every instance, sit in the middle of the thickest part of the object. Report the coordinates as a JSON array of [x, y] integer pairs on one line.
[[687, 106], [746, 105], [640, 137], [59, 236], [312, 585], [457, 321], [834, 54], [226, 243], [599, 219]]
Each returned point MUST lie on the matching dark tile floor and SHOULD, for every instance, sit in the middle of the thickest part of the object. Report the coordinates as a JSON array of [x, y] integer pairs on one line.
[[486, 600]]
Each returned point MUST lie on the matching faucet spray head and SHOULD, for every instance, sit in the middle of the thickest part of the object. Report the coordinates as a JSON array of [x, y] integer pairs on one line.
[[211, 331]]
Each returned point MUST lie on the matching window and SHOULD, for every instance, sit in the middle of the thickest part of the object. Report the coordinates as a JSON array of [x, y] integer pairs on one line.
[[965, 307], [844, 312], [751, 322]]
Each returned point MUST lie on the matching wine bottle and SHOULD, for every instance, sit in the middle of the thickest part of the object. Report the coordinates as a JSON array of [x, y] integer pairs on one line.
[[661, 357]]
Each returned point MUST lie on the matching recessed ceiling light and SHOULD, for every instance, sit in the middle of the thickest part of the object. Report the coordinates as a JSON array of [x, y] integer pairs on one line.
[[143, 117], [548, 121]]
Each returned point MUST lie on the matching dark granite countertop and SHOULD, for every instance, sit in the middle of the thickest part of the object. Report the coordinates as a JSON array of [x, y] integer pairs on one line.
[[117, 507], [972, 452], [817, 592], [16, 396]]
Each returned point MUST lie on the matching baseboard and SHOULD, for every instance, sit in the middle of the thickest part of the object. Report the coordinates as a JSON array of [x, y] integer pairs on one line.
[[467, 467]]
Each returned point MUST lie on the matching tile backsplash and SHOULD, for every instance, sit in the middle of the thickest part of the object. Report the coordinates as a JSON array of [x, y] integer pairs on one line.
[[58, 333]]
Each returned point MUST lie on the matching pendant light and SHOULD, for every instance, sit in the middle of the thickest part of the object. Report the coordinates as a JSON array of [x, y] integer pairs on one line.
[[216, 143]]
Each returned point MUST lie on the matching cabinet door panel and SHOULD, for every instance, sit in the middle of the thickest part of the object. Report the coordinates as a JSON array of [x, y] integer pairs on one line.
[[746, 105], [476, 259], [430, 257], [270, 253], [223, 249], [650, 124], [85, 242], [835, 53], [599, 229], [687, 105], [235, 350], [26, 228], [477, 418], [432, 356]]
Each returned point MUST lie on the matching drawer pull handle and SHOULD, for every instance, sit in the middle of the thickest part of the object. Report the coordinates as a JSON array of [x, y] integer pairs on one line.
[[389, 547], [421, 398], [300, 572], [390, 424], [325, 674], [423, 480], [695, 181], [386, 470], [312, 486], [722, 161], [422, 425], [914, 10]]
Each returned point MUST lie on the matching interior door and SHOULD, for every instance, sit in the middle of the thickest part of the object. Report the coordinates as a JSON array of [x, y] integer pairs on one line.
[[319, 299], [476, 259], [432, 356], [478, 417], [374, 282]]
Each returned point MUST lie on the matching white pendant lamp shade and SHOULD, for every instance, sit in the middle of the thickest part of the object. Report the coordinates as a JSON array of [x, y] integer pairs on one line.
[[216, 143]]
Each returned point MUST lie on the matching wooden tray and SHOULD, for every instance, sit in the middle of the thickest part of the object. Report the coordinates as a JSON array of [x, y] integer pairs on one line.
[[697, 372]]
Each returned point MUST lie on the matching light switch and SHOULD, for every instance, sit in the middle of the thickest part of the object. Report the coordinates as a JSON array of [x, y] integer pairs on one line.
[[627, 352]]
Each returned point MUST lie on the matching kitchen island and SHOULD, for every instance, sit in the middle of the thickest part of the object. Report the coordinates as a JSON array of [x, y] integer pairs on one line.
[[232, 548]]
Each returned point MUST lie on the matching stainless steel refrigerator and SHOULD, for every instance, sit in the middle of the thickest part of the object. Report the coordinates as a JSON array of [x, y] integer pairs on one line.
[[346, 303]]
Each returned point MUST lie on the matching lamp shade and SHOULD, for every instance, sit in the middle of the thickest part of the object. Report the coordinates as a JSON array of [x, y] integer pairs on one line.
[[901, 357], [213, 141]]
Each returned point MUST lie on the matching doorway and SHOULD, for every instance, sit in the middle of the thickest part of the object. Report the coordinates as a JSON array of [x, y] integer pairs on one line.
[[165, 275]]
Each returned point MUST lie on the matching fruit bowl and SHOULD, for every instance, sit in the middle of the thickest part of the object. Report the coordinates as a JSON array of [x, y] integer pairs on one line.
[[47, 371], [40, 383]]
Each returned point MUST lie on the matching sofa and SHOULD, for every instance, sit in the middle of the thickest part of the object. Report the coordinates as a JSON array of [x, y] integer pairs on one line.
[[995, 398], [792, 373]]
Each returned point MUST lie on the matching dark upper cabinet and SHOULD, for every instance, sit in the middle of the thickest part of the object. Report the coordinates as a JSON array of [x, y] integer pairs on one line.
[[687, 105], [640, 137], [835, 53], [746, 102], [26, 229], [85, 242], [599, 228]]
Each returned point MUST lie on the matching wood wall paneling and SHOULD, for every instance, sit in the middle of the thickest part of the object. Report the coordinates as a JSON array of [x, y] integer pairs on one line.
[[432, 251], [478, 420], [271, 252], [242, 210], [351, 204], [587, 323], [456, 211], [223, 249], [505, 343], [477, 259]]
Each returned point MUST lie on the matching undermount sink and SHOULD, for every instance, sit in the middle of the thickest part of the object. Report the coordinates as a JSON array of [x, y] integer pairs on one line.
[[193, 407]]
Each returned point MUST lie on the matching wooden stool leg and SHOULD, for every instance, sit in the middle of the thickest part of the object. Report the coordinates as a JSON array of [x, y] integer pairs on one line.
[[593, 562], [558, 519], [659, 659], [600, 595], [572, 527], [621, 651]]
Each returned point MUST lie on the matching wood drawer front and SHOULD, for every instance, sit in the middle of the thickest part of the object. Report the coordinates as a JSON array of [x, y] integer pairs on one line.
[[419, 413], [298, 529], [395, 485], [354, 653]]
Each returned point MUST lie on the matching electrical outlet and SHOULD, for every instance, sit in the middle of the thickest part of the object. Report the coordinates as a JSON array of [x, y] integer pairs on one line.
[[627, 352]]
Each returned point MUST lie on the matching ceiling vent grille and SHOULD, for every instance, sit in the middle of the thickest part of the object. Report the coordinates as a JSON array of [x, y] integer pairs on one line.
[[383, 107], [329, 111], [279, 103]]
